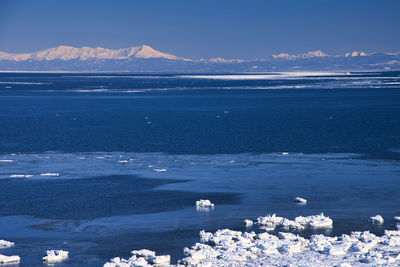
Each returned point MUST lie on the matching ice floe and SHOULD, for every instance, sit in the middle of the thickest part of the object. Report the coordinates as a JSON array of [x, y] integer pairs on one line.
[[204, 205], [9, 259], [6, 244], [376, 219], [50, 174], [397, 218], [300, 200], [315, 221], [21, 175], [55, 255], [160, 170], [6, 160], [271, 222], [141, 258], [248, 223]]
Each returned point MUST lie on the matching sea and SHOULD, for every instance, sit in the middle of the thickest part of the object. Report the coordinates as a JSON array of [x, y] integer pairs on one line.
[[100, 164]]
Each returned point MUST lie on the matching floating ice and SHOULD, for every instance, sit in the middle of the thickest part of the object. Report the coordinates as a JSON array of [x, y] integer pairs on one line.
[[122, 161], [9, 259], [6, 244], [300, 200], [376, 219], [6, 160], [248, 223], [234, 248], [50, 174], [290, 225], [204, 204], [142, 258], [315, 221], [160, 170], [397, 218], [285, 153], [55, 255], [21, 175], [269, 220]]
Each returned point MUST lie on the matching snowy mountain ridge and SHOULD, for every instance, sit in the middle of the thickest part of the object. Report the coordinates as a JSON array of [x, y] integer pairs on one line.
[[84, 53]]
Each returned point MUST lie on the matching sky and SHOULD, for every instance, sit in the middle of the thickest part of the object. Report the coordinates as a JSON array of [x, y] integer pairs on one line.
[[203, 28]]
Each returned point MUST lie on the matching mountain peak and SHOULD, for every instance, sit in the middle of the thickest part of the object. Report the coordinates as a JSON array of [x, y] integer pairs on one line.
[[64, 52]]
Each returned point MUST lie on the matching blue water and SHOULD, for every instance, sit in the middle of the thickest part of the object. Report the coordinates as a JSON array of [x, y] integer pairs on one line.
[[219, 138]]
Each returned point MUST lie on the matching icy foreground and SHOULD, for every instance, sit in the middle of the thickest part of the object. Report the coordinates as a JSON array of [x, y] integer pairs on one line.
[[234, 248]]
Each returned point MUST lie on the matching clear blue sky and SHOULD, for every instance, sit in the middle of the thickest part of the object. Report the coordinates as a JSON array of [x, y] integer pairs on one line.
[[203, 28]]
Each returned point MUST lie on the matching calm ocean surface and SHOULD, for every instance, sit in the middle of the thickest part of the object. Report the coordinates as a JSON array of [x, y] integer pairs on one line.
[[130, 155]]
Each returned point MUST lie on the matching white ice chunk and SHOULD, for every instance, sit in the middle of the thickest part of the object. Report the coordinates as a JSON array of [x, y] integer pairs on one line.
[[6, 160], [55, 255], [50, 174], [160, 170], [9, 259], [248, 223], [163, 260], [6, 244], [269, 220], [397, 218], [376, 219], [21, 175], [300, 200], [315, 221], [290, 225], [204, 204], [145, 253]]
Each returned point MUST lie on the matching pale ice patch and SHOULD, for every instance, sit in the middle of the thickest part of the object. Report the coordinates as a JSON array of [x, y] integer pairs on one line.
[[277, 75], [397, 218], [55, 255], [6, 160]]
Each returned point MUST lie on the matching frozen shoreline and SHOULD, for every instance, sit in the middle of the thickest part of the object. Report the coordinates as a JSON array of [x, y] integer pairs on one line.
[[227, 247]]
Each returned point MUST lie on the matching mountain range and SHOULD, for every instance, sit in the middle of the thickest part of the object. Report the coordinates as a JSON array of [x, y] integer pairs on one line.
[[146, 59]]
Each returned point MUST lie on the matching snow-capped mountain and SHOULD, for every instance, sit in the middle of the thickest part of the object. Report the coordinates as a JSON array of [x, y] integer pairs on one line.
[[84, 53], [146, 59], [310, 54]]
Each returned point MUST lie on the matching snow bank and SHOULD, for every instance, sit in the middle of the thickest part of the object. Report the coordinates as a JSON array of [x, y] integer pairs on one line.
[[9, 259], [6, 244], [55, 255]]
